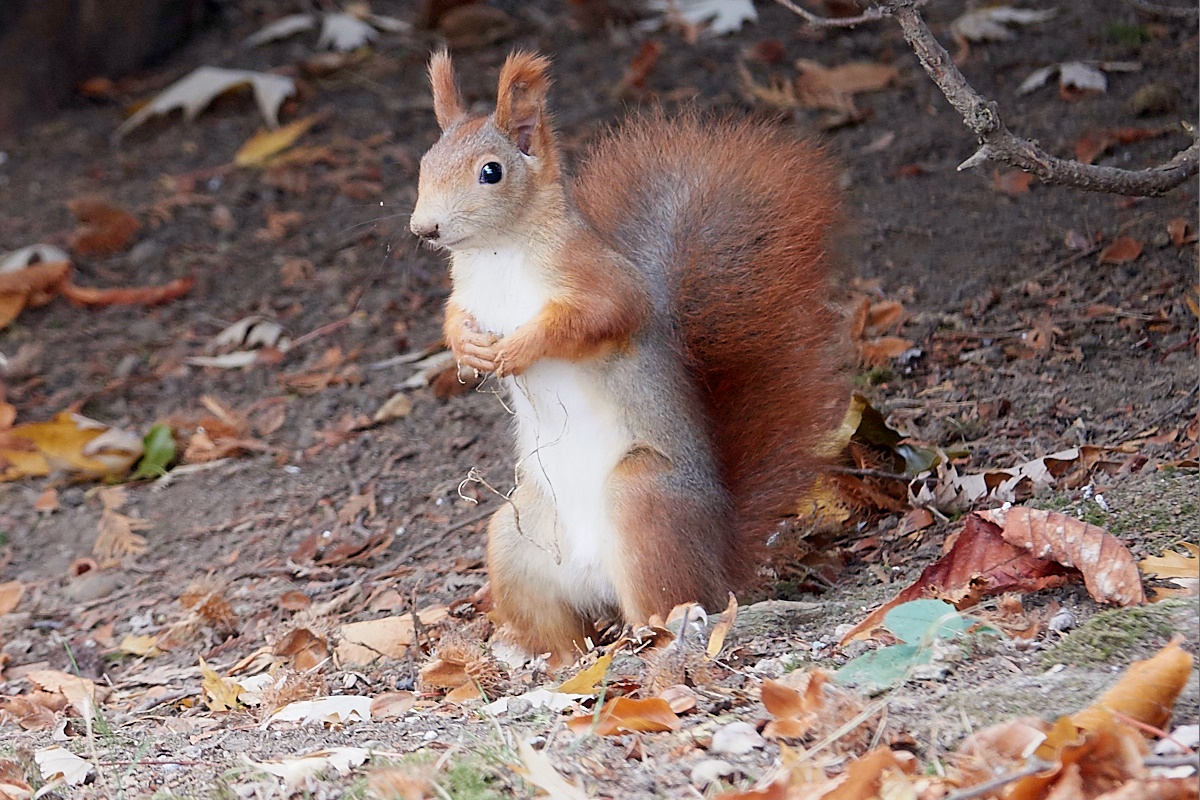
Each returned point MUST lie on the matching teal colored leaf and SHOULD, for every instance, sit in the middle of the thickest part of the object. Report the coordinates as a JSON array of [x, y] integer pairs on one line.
[[884, 667], [921, 621], [159, 452]]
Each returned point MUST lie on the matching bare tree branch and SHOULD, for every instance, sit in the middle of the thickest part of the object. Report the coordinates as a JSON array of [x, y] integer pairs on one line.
[[1183, 12], [982, 116]]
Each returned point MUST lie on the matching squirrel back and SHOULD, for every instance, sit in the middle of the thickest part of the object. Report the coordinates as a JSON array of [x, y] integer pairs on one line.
[[730, 222]]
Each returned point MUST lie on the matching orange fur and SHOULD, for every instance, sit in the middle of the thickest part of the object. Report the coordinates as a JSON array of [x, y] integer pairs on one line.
[[521, 103], [749, 288], [447, 101]]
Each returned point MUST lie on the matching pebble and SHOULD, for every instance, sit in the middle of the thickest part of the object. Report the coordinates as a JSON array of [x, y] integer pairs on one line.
[[710, 771], [92, 586], [1063, 620], [736, 739]]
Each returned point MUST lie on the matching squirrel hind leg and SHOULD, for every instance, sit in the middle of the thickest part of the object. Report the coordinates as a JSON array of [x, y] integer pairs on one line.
[[674, 538], [524, 580]]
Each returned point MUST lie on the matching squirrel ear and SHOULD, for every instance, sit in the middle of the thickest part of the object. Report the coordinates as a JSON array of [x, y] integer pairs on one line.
[[521, 100], [447, 102]]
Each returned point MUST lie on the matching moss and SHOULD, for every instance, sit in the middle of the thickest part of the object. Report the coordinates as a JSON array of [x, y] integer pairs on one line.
[[1113, 636], [1127, 34]]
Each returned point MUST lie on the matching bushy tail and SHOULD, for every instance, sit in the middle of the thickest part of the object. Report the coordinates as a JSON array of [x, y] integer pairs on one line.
[[731, 221]]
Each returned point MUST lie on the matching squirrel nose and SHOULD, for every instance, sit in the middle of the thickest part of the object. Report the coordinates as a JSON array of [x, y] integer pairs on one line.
[[426, 231]]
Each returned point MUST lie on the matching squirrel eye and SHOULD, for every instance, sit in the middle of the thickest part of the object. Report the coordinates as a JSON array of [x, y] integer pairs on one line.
[[491, 173]]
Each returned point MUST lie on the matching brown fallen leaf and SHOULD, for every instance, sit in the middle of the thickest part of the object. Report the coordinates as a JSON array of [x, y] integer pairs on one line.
[[305, 649], [104, 229], [115, 536], [639, 69], [1121, 251], [1107, 566], [392, 705], [10, 596], [30, 715], [128, 296], [70, 443], [716, 639], [626, 715], [12, 781], [875, 352], [1012, 183], [1181, 231], [30, 286], [1094, 144], [979, 563]]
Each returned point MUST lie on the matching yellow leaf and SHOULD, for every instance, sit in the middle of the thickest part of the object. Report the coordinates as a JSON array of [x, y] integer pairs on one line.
[[143, 645], [1174, 564], [626, 715], [588, 681], [220, 694], [70, 443], [716, 640], [260, 147]]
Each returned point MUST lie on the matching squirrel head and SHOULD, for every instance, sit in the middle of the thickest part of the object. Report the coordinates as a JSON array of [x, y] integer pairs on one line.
[[485, 174]]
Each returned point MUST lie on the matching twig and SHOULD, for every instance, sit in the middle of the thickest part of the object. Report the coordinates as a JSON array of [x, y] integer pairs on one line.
[[997, 142], [870, 473], [324, 330], [1034, 767], [1164, 11]]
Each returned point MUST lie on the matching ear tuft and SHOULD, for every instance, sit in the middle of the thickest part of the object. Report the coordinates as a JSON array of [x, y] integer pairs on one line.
[[521, 100], [447, 101]]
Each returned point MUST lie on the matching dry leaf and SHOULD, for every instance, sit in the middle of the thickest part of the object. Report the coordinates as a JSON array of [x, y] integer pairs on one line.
[[297, 771], [1121, 251], [79, 692], [716, 17], [392, 705], [989, 24], [10, 596], [47, 501], [144, 645], [388, 637], [128, 296], [115, 536], [336, 710], [70, 443], [1172, 564], [1146, 692], [1107, 566], [716, 639], [260, 148], [980, 562], [220, 694], [194, 92], [590, 680], [878, 351], [1181, 231], [60, 766], [627, 715], [29, 715], [1012, 183], [540, 771], [104, 229], [1096, 143], [12, 781]]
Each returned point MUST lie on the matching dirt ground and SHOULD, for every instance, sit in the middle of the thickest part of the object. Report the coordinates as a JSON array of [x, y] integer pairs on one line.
[[977, 270]]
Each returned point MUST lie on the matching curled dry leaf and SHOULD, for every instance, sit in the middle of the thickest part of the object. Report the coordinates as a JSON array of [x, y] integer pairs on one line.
[[626, 715], [1181, 231], [129, 295], [59, 765], [220, 694], [392, 705], [295, 772], [28, 282], [194, 92], [12, 781], [1107, 566], [104, 228], [979, 563]]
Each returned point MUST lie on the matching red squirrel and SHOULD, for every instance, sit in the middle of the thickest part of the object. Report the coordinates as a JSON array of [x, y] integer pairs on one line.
[[661, 327]]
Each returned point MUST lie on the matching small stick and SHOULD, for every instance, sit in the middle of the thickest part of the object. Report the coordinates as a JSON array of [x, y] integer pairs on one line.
[[1035, 766]]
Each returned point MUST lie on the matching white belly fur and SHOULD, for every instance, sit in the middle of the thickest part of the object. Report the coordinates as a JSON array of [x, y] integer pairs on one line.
[[569, 435]]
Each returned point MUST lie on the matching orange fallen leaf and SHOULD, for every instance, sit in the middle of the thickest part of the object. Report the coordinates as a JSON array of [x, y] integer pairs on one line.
[[1146, 692], [1094, 144], [1012, 183], [1181, 231], [1121, 251], [10, 596], [716, 639], [878, 351], [104, 230], [589, 680], [76, 445], [627, 715], [127, 296]]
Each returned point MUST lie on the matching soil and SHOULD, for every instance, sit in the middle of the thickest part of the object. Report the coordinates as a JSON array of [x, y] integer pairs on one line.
[[982, 276]]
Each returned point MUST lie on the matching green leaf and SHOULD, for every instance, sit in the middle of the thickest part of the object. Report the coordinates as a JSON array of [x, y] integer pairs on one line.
[[159, 452], [921, 621], [884, 667]]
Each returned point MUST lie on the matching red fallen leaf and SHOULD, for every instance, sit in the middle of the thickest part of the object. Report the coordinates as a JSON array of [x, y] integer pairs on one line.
[[104, 229], [626, 715], [767, 51], [140, 295], [979, 563], [1094, 144], [1011, 183], [640, 68], [1121, 251], [1109, 572], [878, 351]]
